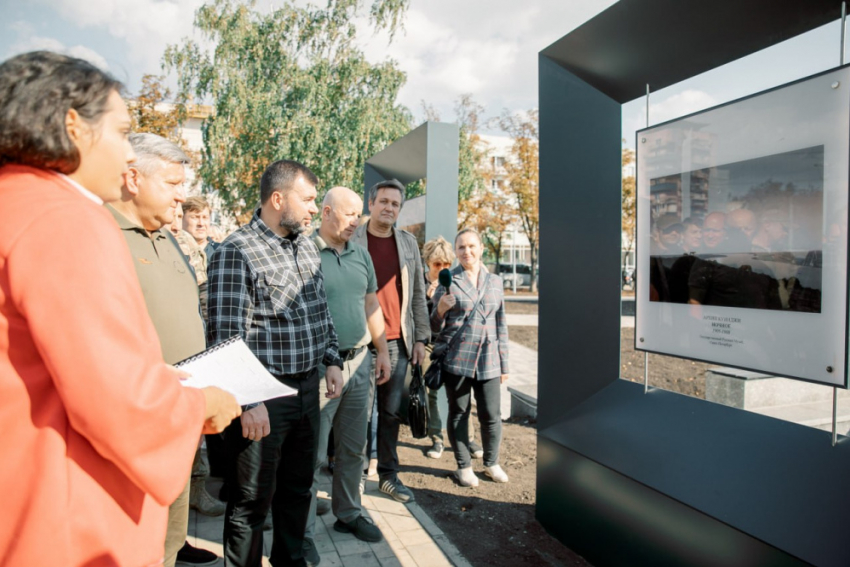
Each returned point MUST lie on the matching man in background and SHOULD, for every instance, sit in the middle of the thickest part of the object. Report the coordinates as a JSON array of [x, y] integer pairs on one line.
[[401, 295], [196, 221]]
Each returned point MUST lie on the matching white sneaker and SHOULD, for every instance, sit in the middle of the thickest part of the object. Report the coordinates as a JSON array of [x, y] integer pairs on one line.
[[436, 451], [466, 477], [496, 473]]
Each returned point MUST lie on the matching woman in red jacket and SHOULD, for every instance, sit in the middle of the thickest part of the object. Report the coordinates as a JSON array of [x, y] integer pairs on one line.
[[98, 434]]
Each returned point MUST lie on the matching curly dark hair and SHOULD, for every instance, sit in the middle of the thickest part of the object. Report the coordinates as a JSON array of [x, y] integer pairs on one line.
[[36, 91]]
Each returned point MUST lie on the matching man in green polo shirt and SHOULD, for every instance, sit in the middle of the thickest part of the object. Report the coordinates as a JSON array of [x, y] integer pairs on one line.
[[351, 287], [152, 191]]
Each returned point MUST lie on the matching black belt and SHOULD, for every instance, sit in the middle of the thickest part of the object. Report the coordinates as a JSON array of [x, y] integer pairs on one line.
[[298, 375], [350, 354]]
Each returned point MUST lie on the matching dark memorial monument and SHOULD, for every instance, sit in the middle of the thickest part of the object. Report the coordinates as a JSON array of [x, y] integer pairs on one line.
[[633, 478], [429, 151]]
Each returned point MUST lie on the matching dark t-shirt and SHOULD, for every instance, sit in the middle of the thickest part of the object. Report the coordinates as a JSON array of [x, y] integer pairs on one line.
[[384, 253]]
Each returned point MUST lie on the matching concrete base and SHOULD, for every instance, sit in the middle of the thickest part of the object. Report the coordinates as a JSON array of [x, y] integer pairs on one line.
[[781, 398], [524, 401]]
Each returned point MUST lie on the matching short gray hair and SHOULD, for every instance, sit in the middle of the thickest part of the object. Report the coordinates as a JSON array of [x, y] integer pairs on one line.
[[150, 147]]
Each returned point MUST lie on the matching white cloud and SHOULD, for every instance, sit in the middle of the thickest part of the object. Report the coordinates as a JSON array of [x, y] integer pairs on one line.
[[147, 26], [36, 43], [488, 49]]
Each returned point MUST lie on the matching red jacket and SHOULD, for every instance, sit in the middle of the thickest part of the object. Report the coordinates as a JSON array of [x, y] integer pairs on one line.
[[97, 435]]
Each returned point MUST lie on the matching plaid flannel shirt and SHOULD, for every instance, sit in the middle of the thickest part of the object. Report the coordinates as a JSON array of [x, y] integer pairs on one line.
[[482, 350], [270, 290]]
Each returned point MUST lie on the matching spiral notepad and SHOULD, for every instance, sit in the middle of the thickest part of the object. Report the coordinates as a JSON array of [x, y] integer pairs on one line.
[[231, 366]]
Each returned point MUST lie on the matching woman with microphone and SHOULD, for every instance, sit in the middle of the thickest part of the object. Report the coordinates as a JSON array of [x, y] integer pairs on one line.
[[470, 320], [438, 256]]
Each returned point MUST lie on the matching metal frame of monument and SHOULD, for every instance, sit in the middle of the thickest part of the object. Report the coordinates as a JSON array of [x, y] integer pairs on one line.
[[430, 151], [633, 478]]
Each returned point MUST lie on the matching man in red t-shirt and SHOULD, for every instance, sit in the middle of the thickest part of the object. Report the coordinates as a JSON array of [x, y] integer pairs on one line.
[[401, 294]]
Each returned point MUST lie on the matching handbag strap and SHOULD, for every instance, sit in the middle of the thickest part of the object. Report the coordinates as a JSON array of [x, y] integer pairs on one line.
[[475, 306]]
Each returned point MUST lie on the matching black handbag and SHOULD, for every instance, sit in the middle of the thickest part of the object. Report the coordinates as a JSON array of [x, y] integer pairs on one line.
[[434, 374], [417, 405]]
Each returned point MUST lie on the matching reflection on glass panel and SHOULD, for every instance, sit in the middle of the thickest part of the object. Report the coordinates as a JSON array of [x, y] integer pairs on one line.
[[745, 234]]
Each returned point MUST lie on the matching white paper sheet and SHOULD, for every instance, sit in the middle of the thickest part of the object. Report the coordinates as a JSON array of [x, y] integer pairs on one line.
[[232, 367]]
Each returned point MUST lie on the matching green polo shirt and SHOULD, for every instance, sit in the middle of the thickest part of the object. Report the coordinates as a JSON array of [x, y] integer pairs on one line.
[[348, 278], [169, 287]]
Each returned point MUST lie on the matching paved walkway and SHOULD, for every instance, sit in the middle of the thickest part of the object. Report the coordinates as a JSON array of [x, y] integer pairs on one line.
[[411, 539]]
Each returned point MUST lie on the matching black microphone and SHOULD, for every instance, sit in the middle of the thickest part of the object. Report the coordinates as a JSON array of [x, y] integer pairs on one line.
[[445, 278]]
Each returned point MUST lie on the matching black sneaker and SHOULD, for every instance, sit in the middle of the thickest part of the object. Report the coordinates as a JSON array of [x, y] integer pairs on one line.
[[362, 529], [311, 554], [189, 555], [394, 488], [323, 506]]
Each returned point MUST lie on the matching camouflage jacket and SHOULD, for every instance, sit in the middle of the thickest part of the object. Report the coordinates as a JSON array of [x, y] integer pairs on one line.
[[196, 255]]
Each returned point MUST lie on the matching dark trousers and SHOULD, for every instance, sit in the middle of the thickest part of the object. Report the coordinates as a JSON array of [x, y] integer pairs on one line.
[[274, 473], [488, 398], [389, 410]]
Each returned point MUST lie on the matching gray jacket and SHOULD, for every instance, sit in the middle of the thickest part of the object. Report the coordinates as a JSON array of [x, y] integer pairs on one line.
[[415, 323]]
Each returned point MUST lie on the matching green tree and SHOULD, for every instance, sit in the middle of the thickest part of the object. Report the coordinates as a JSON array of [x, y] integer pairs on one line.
[[471, 154], [290, 84], [628, 208], [146, 117], [523, 177]]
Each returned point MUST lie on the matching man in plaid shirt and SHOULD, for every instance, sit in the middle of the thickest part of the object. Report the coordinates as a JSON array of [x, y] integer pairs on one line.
[[265, 284]]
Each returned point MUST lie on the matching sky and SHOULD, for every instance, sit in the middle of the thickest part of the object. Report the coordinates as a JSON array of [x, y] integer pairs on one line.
[[486, 48]]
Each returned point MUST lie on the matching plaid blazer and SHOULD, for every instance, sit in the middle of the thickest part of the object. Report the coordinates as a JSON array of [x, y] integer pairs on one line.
[[482, 352]]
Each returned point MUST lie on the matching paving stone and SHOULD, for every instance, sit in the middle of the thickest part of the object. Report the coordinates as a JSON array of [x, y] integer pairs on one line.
[[328, 520], [383, 525], [337, 537], [361, 560], [451, 551], [324, 543], [426, 522], [401, 524], [382, 549], [389, 561], [384, 503], [428, 555], [405, 559], [331, 559], [351, 546], [415, 537]]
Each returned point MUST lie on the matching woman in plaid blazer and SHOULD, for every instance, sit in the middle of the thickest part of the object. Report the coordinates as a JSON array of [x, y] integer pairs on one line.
[[478, 361]]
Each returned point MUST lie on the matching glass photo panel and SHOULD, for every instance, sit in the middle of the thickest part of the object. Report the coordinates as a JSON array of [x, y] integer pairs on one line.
[[742, 232]]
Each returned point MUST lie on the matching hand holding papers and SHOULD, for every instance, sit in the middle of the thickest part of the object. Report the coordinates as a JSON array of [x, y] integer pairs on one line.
[[232, 367]]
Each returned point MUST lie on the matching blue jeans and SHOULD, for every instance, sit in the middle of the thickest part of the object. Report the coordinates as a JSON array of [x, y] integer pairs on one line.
[[390, 395]]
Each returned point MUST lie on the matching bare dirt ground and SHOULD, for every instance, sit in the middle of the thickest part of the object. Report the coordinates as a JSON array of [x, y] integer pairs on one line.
[[666, 372], [493, 525]]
